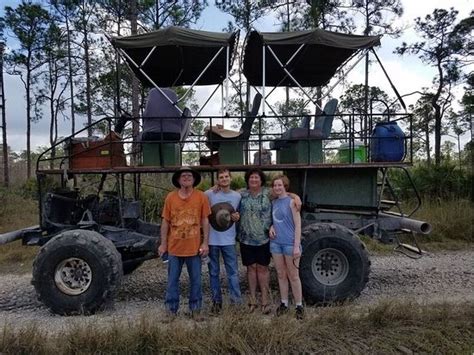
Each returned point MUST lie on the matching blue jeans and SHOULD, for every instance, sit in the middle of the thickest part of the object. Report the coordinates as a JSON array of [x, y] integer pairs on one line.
[[175, 265], [229, 254]]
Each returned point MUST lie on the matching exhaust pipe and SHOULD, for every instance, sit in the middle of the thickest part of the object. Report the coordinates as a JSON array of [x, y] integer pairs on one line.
[[15, 235], [415, 226]]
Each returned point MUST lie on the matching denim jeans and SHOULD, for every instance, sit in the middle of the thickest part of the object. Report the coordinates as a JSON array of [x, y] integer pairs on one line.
[[229, 255], [175, 265]]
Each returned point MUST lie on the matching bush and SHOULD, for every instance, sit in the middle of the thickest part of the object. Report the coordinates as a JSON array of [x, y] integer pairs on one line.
[[446, 181], [16, 211], [238, 182], [29, 189], [151, 201], [451, 220]]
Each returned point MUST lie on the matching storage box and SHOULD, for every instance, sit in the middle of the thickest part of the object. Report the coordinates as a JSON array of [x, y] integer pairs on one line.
[[231, 152], [301, 152], [344, 153], [94, 153], [161, 154]]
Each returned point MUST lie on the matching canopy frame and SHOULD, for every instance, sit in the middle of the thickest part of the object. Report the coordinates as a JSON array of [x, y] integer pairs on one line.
[[219, 44], [321, 45]]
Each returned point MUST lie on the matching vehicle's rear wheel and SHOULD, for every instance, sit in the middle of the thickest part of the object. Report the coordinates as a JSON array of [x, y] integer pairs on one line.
[[77, 272], [334, 266]]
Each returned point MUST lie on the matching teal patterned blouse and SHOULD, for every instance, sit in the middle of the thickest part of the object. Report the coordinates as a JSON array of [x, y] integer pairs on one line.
[[255, 217]]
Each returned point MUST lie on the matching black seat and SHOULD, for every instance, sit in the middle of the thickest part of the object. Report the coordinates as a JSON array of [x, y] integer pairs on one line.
[[322, 127]]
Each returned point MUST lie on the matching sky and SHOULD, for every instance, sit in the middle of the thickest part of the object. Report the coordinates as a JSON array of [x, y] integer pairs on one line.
[[408, 73]]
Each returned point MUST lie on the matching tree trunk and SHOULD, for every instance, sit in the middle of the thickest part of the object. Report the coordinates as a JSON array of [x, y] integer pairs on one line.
[[51, 134], [70, 79], [427, 145], [28, 123], [117, 72], [6, 175], [437, 132], [459, 149], [366, 82], [135, 89], [88, 82], [438, 114]]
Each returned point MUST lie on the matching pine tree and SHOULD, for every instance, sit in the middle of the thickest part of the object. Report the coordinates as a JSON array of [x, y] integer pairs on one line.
[[444, 49], [29, 23]]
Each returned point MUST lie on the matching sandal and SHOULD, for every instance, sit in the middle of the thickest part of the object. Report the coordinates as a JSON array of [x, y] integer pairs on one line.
[[266, 308], [252, 307]]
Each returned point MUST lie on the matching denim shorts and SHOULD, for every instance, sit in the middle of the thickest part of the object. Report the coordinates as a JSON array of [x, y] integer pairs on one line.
[[284, 249]]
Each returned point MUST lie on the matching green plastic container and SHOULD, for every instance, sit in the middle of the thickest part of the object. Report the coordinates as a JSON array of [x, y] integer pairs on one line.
[[231, 153], [297, 152], [170, 154], [344, 153]]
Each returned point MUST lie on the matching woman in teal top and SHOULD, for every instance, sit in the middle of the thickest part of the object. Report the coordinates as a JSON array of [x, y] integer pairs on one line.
[[255, 221]]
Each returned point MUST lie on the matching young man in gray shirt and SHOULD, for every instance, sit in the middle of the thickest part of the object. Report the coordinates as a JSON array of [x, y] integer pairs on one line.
[[224, 205]]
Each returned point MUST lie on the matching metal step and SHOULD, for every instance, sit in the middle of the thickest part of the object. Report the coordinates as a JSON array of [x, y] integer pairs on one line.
[[390, 202], [395, 213]]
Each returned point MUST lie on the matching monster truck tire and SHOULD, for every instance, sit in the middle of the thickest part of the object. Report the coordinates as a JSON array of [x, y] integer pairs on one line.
[[77, 272], [131, 266], [334, 266]]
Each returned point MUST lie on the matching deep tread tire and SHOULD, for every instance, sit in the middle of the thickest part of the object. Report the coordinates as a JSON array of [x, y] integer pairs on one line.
[[335, 265], [91, 252]]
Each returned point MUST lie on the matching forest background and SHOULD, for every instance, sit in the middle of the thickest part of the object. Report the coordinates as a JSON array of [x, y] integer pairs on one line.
[[60, 40], [61, 72]]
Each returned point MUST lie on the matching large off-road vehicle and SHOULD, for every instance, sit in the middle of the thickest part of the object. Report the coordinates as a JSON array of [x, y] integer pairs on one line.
[[90, 226]]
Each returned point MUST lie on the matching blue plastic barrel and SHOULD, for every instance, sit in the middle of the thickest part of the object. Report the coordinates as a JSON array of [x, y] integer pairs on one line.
[[388, 143]]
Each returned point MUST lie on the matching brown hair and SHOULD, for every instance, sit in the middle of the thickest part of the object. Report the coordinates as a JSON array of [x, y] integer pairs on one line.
[[284, 179], [255, 171], [222, 171]]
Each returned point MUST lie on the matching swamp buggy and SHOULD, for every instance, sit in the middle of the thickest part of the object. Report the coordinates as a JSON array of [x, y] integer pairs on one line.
[[91, 231]]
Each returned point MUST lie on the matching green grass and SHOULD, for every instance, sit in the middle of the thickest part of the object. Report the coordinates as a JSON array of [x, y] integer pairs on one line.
[[452, 227], [452, 220], [389, 327], [16, 212]]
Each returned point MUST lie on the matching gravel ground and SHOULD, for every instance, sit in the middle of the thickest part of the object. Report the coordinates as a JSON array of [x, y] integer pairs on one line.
[[437, 277]]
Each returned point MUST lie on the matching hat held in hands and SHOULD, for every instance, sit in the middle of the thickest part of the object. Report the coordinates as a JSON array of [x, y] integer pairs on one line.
[[220, 217]]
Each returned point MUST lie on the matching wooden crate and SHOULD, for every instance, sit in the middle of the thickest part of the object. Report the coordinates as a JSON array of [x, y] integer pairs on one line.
[[103, 153]]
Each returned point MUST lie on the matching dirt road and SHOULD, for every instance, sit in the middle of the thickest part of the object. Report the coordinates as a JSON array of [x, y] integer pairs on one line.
[[438, 277]]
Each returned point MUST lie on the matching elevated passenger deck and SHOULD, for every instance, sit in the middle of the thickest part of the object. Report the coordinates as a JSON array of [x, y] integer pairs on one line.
[[345, 147]]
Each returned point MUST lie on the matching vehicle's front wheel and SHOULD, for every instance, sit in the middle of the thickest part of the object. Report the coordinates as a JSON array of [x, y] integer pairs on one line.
[[77, 272], [334, 266]]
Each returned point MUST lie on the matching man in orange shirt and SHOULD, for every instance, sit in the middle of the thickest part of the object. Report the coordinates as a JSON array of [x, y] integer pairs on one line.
[[186, 210]]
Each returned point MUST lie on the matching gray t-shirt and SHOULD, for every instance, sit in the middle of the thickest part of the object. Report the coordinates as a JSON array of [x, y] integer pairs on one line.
[[226, 237]]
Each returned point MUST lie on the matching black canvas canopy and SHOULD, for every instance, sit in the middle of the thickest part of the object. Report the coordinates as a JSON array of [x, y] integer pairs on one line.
[[319, 54], [178, 56]]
